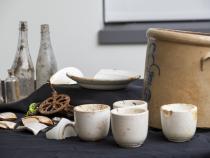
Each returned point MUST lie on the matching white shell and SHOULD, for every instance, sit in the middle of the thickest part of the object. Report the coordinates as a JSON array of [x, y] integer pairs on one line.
[[41, 119], [8, 116], [7, 125], [60, 77], [113, 74]]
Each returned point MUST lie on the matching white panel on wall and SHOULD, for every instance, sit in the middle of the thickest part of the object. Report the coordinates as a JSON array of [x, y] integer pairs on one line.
[[153, 10]]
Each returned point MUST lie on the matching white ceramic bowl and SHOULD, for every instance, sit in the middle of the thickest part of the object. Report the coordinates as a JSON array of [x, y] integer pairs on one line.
[[130, 103], [178, 121], [92, 121], [129, 126]]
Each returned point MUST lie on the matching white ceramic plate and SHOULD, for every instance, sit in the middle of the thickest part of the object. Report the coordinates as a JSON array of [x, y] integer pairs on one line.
[[106, 79]]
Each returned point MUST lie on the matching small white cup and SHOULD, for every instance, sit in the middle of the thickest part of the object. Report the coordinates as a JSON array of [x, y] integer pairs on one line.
[[92, 121], [178, 121], [129, 103], [129, 126]]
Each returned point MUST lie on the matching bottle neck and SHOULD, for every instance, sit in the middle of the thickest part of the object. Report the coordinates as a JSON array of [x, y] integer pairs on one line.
[[23, 39], [45, 38]]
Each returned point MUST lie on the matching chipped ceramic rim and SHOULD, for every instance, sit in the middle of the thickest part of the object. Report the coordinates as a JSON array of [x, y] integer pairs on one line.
[[92, 108], [179, 107], [128, 103], [129, 111]]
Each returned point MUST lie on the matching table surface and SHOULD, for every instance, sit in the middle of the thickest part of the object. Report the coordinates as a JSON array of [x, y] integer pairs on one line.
[[24, 144]]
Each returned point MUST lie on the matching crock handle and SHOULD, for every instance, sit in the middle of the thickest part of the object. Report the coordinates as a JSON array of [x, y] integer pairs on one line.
[[204, 59]]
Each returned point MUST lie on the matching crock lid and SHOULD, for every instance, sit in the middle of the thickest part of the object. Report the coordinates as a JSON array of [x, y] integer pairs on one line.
[[178, 36]]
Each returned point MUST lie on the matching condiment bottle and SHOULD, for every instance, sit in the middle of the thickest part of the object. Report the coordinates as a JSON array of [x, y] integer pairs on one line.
[[46, 64], [22, 65], [12, 91]]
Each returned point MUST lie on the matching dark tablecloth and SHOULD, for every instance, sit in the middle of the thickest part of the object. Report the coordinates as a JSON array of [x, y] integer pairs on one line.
[[26, 145]]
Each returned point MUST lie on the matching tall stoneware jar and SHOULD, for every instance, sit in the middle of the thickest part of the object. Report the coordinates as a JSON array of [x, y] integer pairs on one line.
[[177, 70]]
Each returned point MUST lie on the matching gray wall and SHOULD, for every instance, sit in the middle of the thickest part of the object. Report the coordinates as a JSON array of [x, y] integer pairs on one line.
[[74, 26]]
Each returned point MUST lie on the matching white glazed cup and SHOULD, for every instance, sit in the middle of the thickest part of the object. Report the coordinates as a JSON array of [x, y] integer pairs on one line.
[[129, 103], [129, 126], [92, 121], [178, 121]]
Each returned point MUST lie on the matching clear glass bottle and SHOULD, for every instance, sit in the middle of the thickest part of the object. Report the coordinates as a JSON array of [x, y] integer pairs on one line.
[[12, 89], [22, 65], [46, 64]]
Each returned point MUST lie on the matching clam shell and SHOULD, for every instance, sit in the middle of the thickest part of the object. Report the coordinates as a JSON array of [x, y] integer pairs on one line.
[[8, 116], [28, 120], [60, 78], [114, 74], [41, 119], [7, 124]]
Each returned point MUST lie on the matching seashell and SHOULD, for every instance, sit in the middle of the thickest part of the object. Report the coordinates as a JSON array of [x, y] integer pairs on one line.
[[7, 124], [3, 126], [8, 116], [28, 120], [114, 74], [60, 78], [41, 119]]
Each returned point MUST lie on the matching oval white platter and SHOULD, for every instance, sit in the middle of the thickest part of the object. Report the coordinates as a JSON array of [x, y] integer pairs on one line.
[[106, 79]]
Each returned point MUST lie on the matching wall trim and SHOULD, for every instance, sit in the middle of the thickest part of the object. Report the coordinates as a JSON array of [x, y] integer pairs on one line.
[[135, 33]]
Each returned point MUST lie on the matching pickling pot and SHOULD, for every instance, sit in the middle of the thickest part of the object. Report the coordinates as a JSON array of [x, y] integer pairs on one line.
[[177, 70]]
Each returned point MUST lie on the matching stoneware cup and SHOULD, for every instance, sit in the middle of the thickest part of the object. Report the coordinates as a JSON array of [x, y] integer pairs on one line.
[[129, 103], [92, 121], [178, 121], [129, 126]]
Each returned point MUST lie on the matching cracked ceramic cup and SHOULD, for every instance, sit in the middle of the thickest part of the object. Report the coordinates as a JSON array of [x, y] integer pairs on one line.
[[129, 126], [130, 103], [92, 121], [178, 121]]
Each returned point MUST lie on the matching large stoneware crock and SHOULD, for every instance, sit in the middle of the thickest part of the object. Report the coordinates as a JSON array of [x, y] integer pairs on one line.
[[177, 70]]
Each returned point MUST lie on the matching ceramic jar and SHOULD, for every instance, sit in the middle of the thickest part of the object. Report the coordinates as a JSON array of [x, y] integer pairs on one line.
[[177, 70], [129, 126], [130, 103], [92, 121], [178, 121]]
